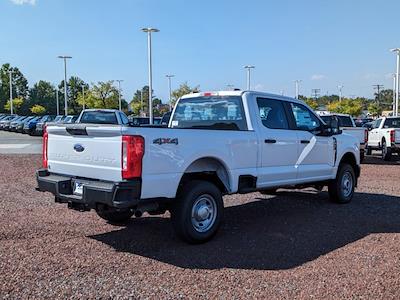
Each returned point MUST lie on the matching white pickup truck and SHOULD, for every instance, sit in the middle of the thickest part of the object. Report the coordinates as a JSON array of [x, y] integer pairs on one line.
[[385, 135], [216, 143], [347, 125]]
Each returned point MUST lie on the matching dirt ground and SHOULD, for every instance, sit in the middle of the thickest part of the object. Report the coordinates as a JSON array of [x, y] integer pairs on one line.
[[292, 245]]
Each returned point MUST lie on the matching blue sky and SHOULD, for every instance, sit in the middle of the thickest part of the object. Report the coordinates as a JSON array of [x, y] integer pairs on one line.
[[206, 43]]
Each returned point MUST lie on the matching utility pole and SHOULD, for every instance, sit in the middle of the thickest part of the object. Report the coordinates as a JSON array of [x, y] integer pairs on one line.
[[119, 93], [394, 95], [65, 57], [315, 93], [378, 87], [170, 91], [83, 95], [248, 67], [297, 82], [397, 51], [149, 30], [340, 87], [141, 101], [58, 105], [11, 94]]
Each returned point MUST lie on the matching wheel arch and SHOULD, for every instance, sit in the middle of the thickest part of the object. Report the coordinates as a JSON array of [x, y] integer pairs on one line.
[[350, 159], [210, 169]]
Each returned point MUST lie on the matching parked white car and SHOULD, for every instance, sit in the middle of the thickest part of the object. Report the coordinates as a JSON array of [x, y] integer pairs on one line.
[[385, 135], [217, 143], [347, 125]]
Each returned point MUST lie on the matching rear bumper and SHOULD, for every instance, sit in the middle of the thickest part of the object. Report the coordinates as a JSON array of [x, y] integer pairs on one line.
[[125, 194]]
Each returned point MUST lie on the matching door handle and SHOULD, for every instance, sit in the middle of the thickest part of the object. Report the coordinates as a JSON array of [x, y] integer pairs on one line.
[[270, 141], [304, 142]]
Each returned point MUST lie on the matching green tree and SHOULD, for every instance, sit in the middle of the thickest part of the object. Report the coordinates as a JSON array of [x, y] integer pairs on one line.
[[183, 89], [19, 84], [101, 95], [375, 109], [140, 102], [17, 103], [74, 85], [346, 106], [312, 103], [43, 93], [38, 109]]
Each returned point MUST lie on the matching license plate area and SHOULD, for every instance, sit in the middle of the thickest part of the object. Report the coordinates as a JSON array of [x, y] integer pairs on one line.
[[78, 188]]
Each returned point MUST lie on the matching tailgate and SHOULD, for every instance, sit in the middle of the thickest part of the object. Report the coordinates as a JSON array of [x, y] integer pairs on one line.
[[357, 132], [397, 136], [90, 151]]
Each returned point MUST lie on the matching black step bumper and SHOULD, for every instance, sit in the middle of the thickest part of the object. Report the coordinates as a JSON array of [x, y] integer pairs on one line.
[[125, 194]]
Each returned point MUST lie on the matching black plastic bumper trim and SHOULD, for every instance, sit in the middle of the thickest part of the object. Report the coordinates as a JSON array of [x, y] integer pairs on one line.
[[124, 194]]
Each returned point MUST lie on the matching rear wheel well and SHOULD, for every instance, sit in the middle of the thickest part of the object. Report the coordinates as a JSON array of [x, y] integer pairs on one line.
[[204, 176]]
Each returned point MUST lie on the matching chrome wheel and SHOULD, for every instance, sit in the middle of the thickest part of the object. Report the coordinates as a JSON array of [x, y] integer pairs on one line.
[[347, 184], [204, 213]]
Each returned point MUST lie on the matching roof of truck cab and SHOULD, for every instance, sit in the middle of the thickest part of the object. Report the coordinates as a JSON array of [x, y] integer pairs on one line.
[[240, 93], [101, 109]]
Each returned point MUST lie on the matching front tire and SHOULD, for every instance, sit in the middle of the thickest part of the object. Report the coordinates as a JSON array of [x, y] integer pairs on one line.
[[112, 215], [341, 189], [197, 212]]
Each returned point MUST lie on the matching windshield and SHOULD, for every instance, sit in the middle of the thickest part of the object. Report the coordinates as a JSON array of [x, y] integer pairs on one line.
[[392, 123], [99, 117], [58, 118], [214, 112]]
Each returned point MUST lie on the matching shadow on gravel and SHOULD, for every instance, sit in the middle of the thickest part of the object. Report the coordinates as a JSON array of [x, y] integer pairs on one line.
[[270, 234], [377, 160]]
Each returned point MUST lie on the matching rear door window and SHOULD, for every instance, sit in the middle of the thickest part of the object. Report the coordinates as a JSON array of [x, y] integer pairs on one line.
[[272, 113]]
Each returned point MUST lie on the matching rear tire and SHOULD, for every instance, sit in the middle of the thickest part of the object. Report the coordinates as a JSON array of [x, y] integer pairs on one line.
[[386, 151], [112, 215], [369, 150], [362, 156], [197, 212], [341, 189]]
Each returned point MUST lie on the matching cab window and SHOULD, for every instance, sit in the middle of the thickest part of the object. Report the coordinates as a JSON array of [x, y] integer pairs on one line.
[[304, 118], [272, 113]]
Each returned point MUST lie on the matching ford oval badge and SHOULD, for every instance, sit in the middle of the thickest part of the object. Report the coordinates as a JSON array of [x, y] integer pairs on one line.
[[79, 148]]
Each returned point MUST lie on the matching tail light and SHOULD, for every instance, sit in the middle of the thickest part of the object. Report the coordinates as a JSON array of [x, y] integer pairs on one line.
[[44, 150], [366, 136], [392, 136], [132, 156]]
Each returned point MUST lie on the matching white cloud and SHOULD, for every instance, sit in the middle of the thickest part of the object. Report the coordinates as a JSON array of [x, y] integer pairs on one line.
[[318, 77], [22, 2], [259, 87]]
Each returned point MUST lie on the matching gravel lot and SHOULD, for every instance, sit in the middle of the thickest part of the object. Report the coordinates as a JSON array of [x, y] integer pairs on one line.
[[294, 245]]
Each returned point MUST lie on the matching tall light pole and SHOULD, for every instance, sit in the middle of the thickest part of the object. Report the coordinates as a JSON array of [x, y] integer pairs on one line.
[[141, 102], [11, 95], [119, 93], [394, 95], [58, 105], [83, 96], [149, 30], [248, 67], [297, 83], [396, 110], [170, 91], [65, 57], [340, 87]]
